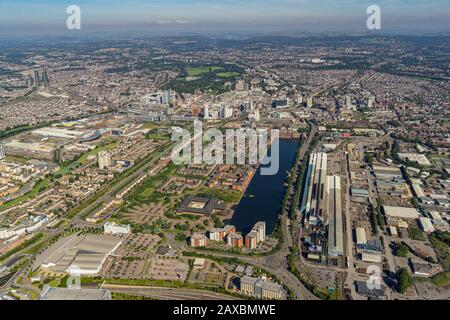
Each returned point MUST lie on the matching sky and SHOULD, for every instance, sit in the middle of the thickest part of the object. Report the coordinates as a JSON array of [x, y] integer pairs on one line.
[[350, 15]]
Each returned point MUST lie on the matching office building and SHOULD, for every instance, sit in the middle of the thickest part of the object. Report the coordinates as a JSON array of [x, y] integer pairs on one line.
[[261, 288], [113, 228]]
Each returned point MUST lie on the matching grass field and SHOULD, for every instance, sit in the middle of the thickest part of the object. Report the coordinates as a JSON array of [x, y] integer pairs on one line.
[[232, 196], [227, 74], [107, 147], [198, 71]]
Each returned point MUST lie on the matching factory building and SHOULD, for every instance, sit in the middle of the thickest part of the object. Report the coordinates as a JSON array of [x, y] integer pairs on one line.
[[78, 254], [426, 225], [361, 236], [49, 293], [313, 198], [30, 149], [335, 225]]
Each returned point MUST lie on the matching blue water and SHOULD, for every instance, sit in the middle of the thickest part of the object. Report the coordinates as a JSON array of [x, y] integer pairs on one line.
[[263, 197]]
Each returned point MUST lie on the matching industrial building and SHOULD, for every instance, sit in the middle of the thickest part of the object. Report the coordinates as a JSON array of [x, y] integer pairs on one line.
[[401, 212], [361, 236], [335, 226], [426, 225], [30, 149], [314, 194], [57, 133], [49, 293], [78, 254]]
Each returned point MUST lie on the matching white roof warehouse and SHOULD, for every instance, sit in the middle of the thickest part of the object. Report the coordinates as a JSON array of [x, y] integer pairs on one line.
[[78, 254], [401, 212]]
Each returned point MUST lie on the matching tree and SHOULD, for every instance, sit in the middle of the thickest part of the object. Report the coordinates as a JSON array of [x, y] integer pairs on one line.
[[404, 280], [400, 250]]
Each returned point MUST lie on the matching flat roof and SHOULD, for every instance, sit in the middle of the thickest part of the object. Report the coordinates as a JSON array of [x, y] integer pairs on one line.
[[78, 252], [401, 212], [49, 293]]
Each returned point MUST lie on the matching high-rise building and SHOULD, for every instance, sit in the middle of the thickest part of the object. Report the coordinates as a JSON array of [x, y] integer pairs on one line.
[[166, 97], [226, 112], [2, 151], [104, 160], [235, 240], [260, 228], [348, 103], [206, 114], [371, 102], [309, 102], [251, 240]]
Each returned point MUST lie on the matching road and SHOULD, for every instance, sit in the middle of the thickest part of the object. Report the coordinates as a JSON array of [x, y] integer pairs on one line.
[[162, 293]]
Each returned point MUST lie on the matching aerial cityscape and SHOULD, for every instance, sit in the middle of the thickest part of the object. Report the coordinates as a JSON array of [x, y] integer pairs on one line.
[[239, 163]]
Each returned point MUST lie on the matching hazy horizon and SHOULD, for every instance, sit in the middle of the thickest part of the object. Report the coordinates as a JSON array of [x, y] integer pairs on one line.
[[42, 17]]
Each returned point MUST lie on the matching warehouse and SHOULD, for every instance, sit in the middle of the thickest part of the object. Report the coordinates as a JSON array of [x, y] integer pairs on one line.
[[313, 195], [361, 236], [371, 257], [30, 149], [359, 193], [57, 133], [401, 212], [335, 227], [49, 293], [426, 225], [78, 254]]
